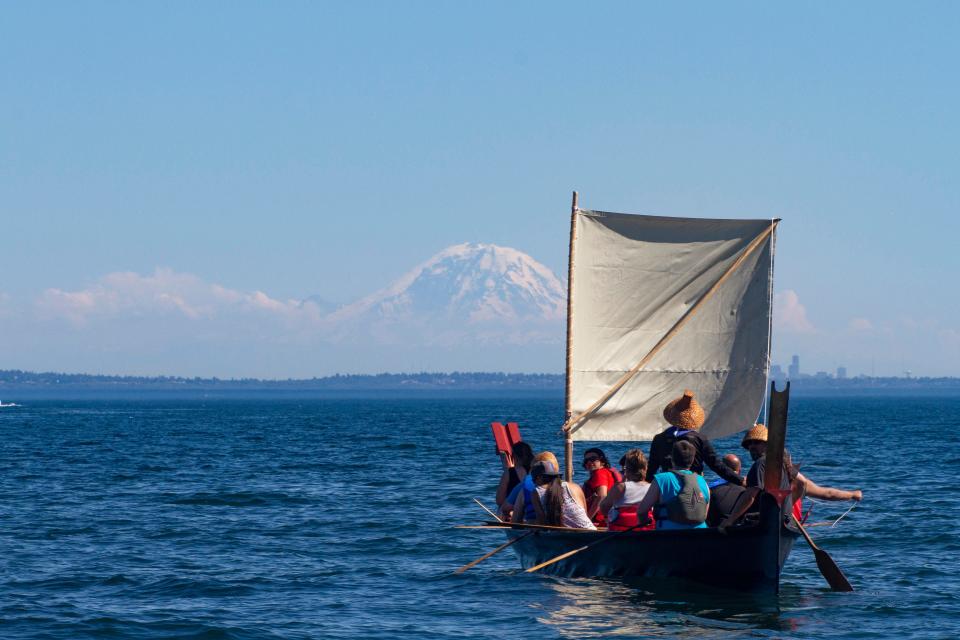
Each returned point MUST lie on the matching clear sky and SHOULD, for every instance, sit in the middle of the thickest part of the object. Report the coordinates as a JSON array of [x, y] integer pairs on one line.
[[322, 149]]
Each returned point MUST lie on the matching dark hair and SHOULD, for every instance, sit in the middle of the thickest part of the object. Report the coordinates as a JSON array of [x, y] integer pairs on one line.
[[634, 465], [522, 454], [553, 509], [600, 454], [683, 455], [539, 472]]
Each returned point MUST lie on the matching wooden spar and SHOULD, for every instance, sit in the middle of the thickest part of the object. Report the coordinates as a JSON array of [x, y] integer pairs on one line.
[[568, 440], [499, 526], [578, 421], [482, 506], [492, 553]]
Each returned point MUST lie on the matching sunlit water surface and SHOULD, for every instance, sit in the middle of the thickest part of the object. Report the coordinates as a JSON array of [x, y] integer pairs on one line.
[[287, 518]]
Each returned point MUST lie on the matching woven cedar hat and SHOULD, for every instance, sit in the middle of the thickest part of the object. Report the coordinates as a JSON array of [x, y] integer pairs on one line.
[[685, 412], [757, 433]]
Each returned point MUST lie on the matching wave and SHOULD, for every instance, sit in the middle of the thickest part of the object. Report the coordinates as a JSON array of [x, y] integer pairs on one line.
[[240, 499]]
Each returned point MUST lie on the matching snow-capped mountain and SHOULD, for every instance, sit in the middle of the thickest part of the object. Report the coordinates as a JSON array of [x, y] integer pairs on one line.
[[473, 292]]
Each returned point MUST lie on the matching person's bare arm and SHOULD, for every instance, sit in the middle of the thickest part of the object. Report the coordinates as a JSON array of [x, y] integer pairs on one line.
[[577, 494], [506, 511], [743, 504], [649, 501], [519, 508], [538, 509], [596, 499], [611, 498], [502, 490], [813, 490]]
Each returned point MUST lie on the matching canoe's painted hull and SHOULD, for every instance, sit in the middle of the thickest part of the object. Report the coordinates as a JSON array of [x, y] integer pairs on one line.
[[748, 558]]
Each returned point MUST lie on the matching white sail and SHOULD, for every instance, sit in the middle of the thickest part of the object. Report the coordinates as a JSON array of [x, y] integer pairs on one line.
[[634, 279]]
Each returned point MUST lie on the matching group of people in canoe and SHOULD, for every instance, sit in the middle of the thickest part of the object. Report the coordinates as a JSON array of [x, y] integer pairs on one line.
[[664, 490]]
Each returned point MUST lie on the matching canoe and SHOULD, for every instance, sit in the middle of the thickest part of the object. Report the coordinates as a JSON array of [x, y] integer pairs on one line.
[[748, 557], [657, 305]]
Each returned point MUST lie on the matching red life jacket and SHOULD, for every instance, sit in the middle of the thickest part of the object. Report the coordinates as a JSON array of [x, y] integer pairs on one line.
[[627, 518]]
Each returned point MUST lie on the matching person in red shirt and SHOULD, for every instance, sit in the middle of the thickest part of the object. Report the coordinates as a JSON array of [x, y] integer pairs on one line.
[[602, 478]]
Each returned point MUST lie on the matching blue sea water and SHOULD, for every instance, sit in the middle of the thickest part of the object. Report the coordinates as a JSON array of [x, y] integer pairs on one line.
[[319, 518]]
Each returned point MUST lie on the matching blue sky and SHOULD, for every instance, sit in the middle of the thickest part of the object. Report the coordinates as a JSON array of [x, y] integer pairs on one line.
[[309, 148]]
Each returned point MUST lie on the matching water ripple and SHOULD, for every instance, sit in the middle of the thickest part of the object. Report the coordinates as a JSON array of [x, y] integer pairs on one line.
[[334, 519]]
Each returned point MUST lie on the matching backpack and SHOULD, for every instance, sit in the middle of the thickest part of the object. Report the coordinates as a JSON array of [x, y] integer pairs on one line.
[[688, 507]]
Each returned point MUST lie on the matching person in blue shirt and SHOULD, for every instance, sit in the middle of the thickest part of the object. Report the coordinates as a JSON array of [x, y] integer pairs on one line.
[[681, 498]]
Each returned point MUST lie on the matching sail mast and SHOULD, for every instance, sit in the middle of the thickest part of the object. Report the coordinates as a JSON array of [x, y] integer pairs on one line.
[[568, 437]]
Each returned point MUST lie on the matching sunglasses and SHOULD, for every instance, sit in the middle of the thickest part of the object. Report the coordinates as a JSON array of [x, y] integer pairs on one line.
[[589, 460]]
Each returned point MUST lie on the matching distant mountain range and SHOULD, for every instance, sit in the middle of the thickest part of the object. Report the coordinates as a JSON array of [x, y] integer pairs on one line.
[[467, 293]]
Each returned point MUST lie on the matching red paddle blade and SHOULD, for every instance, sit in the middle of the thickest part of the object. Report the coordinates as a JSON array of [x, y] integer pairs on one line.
[[500, 437], [513, 432]]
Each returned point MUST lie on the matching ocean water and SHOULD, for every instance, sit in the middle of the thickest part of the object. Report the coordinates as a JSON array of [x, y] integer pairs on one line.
[[313, 518]]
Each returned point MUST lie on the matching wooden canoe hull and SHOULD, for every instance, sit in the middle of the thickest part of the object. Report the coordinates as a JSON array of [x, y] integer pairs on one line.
[[747, 558]]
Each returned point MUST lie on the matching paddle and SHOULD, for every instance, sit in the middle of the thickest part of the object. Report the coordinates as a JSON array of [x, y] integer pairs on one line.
[[499, 526], [563, 556], [829, 568], [488, 510], [494, 552]]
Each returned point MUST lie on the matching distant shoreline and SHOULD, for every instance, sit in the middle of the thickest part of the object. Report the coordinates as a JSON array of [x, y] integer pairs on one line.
[[14, 383]]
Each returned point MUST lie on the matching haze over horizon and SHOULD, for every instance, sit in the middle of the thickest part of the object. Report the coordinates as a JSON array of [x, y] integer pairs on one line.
[[193, 191]]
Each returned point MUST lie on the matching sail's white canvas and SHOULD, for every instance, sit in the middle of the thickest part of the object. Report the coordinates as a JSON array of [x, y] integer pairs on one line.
[[634, 278]]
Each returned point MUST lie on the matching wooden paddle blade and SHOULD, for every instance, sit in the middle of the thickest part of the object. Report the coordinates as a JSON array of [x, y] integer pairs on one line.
[[828, 568], [830, 571], [557, 559]]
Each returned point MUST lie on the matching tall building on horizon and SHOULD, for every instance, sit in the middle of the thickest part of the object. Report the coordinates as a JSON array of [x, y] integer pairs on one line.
[[841, 373], [793, 371]]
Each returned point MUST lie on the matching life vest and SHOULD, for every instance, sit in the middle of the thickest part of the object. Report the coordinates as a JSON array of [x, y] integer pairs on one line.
[[627, 518]]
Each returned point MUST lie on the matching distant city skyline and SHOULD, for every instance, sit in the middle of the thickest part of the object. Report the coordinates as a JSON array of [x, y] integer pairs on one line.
[[175, 184], [794, 371]]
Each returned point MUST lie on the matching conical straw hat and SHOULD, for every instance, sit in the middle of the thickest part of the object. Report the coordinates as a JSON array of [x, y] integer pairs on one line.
[[758, 432], [685, 412]]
